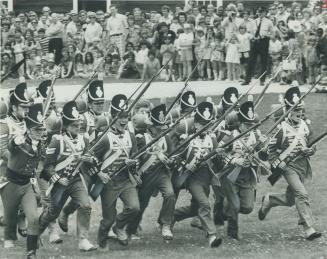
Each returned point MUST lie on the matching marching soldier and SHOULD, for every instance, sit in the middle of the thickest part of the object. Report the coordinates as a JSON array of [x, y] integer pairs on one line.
[[288, 151], [198, 183], [160, 179], [239, 176], [53, 126], [115, 150], [23, 159], [92, 116], [62, 155], [4, 134], [15, 125]]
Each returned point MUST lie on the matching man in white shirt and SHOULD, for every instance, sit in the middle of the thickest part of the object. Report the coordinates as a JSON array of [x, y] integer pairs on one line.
[[282, 14], [165, 17], [71, 28], [93, 30], [117, 29], [264, 28]]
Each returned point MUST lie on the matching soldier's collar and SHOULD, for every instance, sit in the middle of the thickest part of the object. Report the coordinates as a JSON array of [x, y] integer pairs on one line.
[[14, 118]]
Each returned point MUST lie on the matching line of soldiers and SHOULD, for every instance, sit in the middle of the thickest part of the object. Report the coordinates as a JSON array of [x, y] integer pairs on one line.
[[49, 156]]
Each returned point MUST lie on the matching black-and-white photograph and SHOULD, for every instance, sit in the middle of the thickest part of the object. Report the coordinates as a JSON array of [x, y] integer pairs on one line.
[[163, 129]]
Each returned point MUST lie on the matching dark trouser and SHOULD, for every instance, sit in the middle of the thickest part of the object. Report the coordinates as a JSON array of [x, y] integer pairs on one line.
[[79, 195], [127, 192], [56, 46], [200, 206], [14, 195], [258, 48], [150, 183], [240, 199]]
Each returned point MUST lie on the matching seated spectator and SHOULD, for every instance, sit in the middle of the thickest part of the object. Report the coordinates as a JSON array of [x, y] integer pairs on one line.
[[79, 71], [129, 68], [151, 66], [89, 64], [107, 65], [115, 65], [6, 64], [52, 68], [66, 64], [37, 72]]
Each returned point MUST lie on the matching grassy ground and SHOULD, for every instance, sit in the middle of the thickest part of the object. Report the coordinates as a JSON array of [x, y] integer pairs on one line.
[[278, 236]]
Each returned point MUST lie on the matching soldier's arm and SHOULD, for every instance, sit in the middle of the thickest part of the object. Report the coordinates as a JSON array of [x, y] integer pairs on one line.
[[4, 138], [275, 144], [135, 145], [101, 148]]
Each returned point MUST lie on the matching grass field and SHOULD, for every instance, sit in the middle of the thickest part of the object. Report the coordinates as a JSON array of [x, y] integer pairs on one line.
[[278, 236]]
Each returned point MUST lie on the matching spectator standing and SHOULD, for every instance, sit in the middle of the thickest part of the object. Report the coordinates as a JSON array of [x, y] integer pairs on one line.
[[142, 55], [93, 30], [218, 57], [282, 14], [66, 64], [244, 39], [117, 29], [311, 59], [260, 45], [43, 42], [185, 42], [232, 58], [167, 51], [166, 17], [55, 34], [71, 29], [174, 26], [178, 61]]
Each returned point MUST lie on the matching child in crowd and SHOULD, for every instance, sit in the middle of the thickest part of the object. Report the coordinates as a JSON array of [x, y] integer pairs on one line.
[[151, 66], [232, 58], [6, 64], [185, 42], [116, 63], [175, 26], [107, 64], [142, 55], [19, 48], [167, 51], [37, 72], [218, 57], [208, 51], [178, 61], [275, 49], [79, 66], [66, 64], [88, 64], [129, 68], [311, 59], [199, 50], [244, 39]]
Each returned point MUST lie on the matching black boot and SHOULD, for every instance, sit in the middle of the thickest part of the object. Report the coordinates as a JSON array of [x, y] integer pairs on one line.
[[102, 235], [218, 213], [31, 245], [232, 229]]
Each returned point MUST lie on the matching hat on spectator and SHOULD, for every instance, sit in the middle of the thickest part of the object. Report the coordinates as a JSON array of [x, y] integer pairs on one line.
[[44, 58], [91, 15], [96, 39], [187, 26], [17, 20], [73, 13], [46, 9], [99, 12], [21, 15], [231, 8], [198, 28], [262, 9]]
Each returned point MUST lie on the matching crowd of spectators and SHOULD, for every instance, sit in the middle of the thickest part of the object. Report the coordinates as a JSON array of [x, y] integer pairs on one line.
[[136, 44]]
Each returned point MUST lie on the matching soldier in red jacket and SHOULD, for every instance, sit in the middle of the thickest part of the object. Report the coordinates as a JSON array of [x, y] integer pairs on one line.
[[62, 156], [160, 179], [289, 152], [23, 159]]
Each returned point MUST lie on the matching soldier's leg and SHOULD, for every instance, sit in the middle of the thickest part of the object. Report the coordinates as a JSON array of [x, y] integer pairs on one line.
[[109, 196], [79, 195], [29, 206], [200, 194], [129, 197], [247, 198], [185, 212], [166, 216], [233, 206], [144, 193], [11, 196], [218, 209], [52, 212]]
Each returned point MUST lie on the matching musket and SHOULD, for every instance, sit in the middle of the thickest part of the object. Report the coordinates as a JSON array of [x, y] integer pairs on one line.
[[185, 85], [47, 102], [83, 88], [105, 132], [13, 69], [277, 173], [98, 186], [260, 97], [185, 174]]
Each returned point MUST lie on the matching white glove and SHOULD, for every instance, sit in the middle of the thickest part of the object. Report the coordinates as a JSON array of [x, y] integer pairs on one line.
[[19, 140], [104, 177]]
